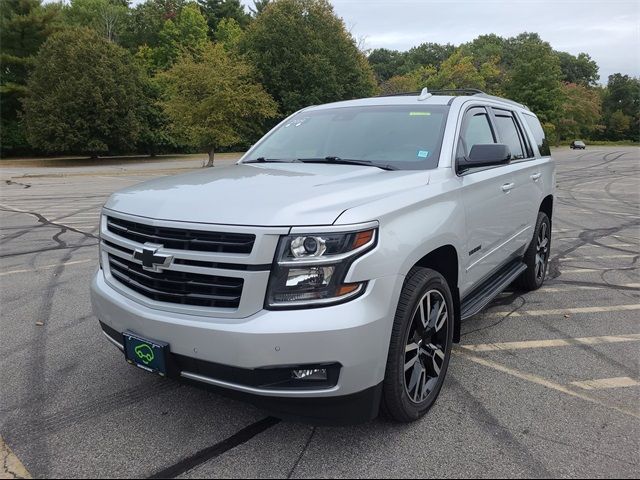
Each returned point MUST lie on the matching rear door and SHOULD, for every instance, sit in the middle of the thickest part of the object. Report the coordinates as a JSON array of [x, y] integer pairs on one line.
[[526, 195], [486, 195]]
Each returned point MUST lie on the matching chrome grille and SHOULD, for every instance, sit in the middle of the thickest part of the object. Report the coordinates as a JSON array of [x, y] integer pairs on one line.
[[181, 278], [173, 286], [182, 239]]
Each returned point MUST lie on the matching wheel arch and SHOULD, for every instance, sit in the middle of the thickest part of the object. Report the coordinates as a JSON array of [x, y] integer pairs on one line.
[[444, 260], [547, 206]]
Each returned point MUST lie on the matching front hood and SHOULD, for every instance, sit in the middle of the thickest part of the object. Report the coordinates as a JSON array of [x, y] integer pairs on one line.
[[290, 194]]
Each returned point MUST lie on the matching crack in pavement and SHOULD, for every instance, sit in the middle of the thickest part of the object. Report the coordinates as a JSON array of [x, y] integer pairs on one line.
[[23, 185], [43, 221]]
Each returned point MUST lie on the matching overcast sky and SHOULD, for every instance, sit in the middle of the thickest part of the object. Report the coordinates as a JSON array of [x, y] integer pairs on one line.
[[608, 30]]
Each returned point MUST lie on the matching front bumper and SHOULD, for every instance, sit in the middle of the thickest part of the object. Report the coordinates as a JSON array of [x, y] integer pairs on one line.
[[355, 335]]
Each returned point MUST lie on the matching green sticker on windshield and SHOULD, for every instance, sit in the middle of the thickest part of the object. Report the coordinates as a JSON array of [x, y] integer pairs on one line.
[[419, 114]]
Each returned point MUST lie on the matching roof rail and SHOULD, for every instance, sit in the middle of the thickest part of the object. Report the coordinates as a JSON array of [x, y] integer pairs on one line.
[[402, 94], [458, 91], [504, 100]]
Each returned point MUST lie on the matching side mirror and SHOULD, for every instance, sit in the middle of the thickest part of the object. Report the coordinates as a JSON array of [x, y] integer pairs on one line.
[[487, 155]]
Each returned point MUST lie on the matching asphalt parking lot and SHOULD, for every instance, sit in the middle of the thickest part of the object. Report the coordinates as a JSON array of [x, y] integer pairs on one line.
[[545, 384]]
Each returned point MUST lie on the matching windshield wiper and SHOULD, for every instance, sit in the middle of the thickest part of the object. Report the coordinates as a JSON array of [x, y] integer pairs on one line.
[[345, 161], [272, 160]]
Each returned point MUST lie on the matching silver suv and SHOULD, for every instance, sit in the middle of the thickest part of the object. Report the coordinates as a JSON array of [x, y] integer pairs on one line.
[[326, 275]]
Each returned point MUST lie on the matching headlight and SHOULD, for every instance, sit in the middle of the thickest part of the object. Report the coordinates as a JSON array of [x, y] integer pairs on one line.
[[310, 269], [100, 241]]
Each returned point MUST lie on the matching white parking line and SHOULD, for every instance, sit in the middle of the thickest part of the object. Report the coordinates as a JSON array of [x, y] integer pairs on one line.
[[71, 207], [11, 466], [93, 213], [46, 267], [529, 377], [555, 342], [578, 287], [596, 257], [567, 311], [73, 221], [604, 383], [584, 270]]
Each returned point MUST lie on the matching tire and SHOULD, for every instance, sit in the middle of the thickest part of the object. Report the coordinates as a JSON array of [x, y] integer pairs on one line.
[[536, 258], [408, 394]]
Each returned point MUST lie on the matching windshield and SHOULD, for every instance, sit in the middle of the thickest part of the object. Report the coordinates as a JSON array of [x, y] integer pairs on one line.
[[402, 137]]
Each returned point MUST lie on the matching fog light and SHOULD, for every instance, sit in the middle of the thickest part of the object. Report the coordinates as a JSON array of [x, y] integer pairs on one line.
[[317, 374]]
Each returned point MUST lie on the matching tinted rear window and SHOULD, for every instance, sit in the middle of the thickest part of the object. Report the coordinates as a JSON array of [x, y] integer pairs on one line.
[[509, 135], [538, 134]]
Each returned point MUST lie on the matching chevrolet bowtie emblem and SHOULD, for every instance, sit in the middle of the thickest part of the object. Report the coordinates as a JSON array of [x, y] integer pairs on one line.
[[151, 259]]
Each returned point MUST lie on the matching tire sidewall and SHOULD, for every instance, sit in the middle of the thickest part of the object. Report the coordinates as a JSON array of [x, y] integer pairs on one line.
[[431, 280], [542, 219]]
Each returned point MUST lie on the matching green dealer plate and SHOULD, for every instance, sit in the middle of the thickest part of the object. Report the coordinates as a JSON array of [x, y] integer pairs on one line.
[[150, 355]]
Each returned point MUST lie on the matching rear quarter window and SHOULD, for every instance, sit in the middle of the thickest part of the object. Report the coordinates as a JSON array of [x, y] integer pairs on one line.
[[538, 134]]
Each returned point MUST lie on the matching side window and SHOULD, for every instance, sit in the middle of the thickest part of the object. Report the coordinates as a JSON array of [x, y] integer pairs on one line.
[[476, 130], [509, 134], [538, 134]]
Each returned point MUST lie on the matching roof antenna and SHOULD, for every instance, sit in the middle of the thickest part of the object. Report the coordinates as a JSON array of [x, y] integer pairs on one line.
[[424, 95]]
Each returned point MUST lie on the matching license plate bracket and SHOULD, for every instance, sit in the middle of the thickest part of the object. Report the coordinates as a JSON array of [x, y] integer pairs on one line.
[[149, 355]]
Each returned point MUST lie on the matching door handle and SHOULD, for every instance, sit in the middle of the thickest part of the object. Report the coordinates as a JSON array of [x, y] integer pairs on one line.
[[507, 187], [536, 176]]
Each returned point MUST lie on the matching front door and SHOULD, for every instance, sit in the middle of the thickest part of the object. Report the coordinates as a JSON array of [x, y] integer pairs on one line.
[[486, 197]]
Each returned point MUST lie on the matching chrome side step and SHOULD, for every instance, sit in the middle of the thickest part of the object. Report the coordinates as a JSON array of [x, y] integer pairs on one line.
[[490, 289]]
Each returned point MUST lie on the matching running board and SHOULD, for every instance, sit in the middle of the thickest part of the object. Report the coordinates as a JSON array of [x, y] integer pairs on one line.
[[481, 296]]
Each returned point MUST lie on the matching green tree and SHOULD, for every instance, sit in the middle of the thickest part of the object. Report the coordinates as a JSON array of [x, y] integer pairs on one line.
[[145, 21], [24, 26], [155, 134], [622, 95], [387, 63], [390, 63], [581, 69], [305, 55], [401, 84], [85, 96], [428, 54], [258, 7], [186, 35], [579, 113], [618, 125], [106, 17], [490, 58], [459, 71], [485, 48], [534, 76], [215, 101], [229, 34], [216, 10]]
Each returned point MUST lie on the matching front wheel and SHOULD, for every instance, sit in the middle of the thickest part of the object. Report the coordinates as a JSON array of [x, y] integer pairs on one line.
[[420, 346]]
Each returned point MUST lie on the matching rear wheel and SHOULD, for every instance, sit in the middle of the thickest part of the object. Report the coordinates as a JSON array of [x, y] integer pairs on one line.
[[420, 346], [536, 258]]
